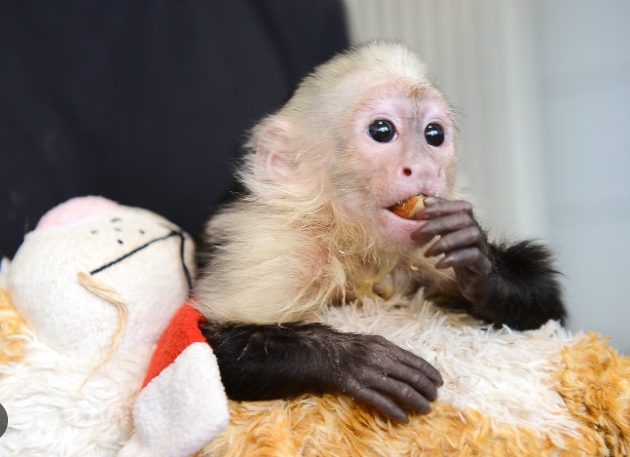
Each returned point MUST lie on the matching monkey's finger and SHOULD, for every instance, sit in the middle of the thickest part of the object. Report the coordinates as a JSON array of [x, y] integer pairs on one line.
[[400, 391], [382, 403], [465, 258], [419, 364], [437, 207], [414, 378], [464, 238], [403, 393], [443, 225]]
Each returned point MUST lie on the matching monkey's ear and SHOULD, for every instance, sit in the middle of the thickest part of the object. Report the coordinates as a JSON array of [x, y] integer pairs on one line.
[[274, 155]]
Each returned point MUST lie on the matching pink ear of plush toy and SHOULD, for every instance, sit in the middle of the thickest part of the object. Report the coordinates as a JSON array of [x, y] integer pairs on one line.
[[97, 284], [75, 211]]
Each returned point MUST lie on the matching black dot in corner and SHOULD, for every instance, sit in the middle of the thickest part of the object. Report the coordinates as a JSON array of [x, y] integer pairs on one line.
[[4, 420], [121, 242], [141, 232], [94, 232]]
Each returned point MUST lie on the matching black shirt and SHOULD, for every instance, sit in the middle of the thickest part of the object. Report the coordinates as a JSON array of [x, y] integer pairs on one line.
[[145, 102]]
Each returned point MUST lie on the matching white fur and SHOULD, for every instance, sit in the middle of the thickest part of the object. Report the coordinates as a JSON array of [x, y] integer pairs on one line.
[[295, 244], [506, 375]]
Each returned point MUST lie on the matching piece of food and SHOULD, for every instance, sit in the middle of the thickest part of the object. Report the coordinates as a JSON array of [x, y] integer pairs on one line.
[[409, 207]]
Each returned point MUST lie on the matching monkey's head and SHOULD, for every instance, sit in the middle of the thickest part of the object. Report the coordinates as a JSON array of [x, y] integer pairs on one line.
[[364, 131]]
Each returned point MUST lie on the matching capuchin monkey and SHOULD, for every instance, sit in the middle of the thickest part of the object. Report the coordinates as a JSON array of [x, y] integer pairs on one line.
[[350, 193]]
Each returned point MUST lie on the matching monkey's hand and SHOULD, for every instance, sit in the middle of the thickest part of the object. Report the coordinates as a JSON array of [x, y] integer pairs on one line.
[[514, 284], [264, 362], [462, 242], [374, 370]]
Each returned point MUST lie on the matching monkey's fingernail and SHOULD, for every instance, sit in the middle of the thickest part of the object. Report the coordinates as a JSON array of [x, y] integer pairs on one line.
[[431, 200], [420, 237], [444, 263], [430, 252], [420, 215]]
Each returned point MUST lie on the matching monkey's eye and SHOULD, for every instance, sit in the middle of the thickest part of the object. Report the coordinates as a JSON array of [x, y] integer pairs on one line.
[[382, 131], [434, 134]]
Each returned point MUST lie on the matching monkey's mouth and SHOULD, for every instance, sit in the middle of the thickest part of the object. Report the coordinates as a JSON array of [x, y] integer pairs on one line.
[[409, 207]]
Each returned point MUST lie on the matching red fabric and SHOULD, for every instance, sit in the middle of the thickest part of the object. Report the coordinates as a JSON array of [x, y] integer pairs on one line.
[[182, 331]]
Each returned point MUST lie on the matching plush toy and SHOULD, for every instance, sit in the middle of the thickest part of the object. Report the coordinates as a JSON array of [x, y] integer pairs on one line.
[[70, 384], [82, 307], [537, 393]]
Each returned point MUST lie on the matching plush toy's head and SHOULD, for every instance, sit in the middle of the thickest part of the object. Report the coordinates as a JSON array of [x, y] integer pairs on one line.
[[144, 259], [97, 284]]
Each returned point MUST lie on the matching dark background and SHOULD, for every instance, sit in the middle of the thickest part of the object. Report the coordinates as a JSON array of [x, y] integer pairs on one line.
[[145, 102]]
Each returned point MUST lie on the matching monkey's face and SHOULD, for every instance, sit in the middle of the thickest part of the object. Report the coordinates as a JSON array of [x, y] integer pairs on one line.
[[399, 141]]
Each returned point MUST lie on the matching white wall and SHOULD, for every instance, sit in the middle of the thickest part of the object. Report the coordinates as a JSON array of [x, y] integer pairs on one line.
[[583, 62], [543, 87]]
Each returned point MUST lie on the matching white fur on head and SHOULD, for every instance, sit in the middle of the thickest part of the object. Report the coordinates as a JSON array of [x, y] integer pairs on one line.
[[291, 246], [308, 116]]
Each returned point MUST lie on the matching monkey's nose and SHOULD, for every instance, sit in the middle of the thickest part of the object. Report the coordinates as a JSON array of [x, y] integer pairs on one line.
[[425, 169]]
